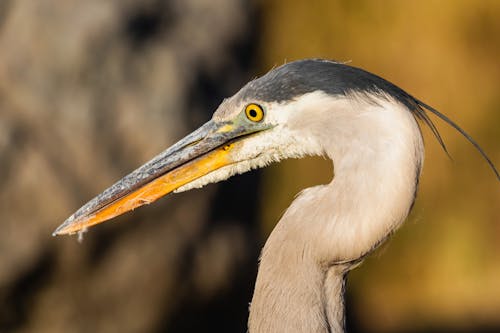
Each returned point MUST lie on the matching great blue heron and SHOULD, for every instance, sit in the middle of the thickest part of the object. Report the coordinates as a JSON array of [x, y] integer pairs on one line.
[[365, 124]]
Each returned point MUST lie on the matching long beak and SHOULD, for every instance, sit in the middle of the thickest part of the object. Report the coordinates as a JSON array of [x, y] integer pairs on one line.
[[207, 149]]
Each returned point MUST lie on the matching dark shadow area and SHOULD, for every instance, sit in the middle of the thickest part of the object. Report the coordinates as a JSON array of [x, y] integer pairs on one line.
[[17, 301], [145, 23]]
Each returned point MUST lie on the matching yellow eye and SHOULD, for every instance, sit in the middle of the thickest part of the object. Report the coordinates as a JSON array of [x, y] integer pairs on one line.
[[254, 112]]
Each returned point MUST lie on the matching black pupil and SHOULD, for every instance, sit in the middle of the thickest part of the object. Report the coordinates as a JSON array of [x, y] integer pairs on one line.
[[253, 113]]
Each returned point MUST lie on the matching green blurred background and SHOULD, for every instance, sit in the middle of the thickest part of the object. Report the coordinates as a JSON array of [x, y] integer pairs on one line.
[[89, 90]]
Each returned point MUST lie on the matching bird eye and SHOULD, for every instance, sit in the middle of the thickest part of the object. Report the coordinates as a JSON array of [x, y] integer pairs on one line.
[[254, 112]]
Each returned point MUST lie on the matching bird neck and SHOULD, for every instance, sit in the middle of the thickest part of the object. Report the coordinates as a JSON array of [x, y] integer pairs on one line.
[[293, 293], [329, 228]]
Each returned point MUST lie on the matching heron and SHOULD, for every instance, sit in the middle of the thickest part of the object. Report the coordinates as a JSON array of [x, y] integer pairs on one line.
[[366, 125]]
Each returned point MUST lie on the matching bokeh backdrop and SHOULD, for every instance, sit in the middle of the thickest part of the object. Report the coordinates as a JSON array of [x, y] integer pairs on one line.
[[89, 90]]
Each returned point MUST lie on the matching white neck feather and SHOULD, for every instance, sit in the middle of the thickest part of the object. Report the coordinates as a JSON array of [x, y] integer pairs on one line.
[[378, 152]]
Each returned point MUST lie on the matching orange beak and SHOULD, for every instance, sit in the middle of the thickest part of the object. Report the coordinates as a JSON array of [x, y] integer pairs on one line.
[[203, 151]]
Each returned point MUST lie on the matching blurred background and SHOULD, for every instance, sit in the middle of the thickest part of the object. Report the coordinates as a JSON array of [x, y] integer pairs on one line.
[[89, 90]]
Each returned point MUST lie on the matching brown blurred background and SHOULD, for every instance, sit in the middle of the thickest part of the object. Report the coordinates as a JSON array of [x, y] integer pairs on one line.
[[91, 89]]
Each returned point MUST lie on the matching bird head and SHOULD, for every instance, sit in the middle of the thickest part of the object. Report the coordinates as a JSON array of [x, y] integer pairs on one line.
[[307, 107]]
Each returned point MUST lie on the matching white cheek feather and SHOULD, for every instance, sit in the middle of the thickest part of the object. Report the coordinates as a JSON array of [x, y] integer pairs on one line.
[[257, 152]]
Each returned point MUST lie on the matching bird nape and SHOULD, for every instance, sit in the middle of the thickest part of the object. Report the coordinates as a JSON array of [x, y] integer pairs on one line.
[[365, 124]]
